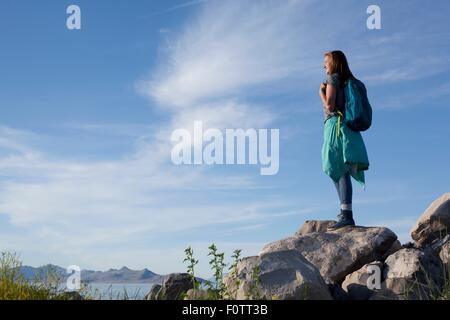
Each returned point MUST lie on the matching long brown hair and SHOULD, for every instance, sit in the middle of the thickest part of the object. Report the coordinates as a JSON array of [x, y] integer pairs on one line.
[[339, 65]]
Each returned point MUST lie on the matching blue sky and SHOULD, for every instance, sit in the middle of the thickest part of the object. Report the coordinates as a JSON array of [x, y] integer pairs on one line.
[[86, 117]]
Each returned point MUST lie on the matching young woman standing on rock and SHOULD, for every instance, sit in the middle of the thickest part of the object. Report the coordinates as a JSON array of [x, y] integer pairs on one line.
[[344, 154]]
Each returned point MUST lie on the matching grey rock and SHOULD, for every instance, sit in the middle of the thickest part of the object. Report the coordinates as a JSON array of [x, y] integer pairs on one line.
[[198, 294], [340, 252], [154, 291], [434, 223], [174, 287], [283, 275], [311, 226], [411, 274], [356, 284]]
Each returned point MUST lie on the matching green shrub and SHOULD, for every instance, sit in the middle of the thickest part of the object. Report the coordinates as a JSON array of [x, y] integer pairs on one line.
[[218, 290]]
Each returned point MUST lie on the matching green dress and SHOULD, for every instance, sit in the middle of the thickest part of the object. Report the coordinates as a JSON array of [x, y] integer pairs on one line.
[[343, 151]]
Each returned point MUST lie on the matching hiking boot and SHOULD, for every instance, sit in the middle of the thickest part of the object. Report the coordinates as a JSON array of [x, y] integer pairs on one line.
[[345, 218]]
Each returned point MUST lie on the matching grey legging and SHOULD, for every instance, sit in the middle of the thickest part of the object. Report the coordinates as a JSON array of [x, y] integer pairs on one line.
[[344, 189]]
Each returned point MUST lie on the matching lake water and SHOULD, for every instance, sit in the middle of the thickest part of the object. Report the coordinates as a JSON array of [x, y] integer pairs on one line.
[[107, 291]]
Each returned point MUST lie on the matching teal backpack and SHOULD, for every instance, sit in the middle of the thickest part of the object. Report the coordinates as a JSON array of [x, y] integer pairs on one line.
[[358, 112]]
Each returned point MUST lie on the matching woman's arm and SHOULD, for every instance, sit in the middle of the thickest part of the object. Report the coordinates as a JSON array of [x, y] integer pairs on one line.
[[328, 96]]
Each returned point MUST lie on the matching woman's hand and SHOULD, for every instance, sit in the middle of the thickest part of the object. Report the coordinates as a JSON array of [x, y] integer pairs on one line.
[[322, 89]]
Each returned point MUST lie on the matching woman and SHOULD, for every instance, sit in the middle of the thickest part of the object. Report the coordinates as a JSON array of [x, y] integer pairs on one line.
[[343, 153]]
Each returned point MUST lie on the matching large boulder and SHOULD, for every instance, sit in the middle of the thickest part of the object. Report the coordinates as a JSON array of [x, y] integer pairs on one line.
[[197, 294], [340, 252], [360, 285], [154, 292], [282, 275], [311, 226], [411, 274], [174, 287], [434, 223]]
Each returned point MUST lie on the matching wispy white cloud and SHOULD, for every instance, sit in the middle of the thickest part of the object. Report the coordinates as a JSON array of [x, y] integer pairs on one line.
[[15, 140], [230, 46], [72, 208]]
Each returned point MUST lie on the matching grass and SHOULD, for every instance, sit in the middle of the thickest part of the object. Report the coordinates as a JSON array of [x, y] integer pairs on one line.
[[110, 294], [444, 293], [438, 291], [426, 288], [14, 286]]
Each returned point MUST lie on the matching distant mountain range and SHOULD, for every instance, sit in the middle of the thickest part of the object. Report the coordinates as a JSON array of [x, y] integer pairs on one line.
[[124, 275]]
